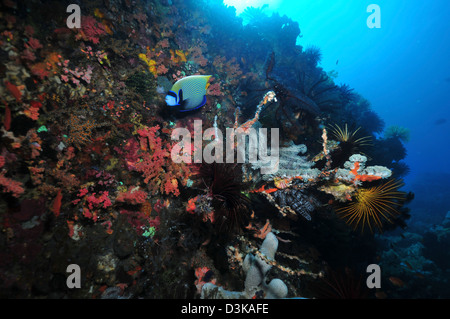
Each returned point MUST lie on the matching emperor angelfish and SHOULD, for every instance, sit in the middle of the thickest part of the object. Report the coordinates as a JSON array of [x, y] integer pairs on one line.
[[189, 93]]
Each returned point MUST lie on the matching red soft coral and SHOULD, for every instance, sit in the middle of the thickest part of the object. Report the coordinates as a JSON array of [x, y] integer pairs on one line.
[[215, 89], [11, 186], [156, 165], [129, 152], [40, 70], [139, 221], [97, 201], [14, 91], [91, 29], [32, 112], [57, 203], [161, 69], [133, 196], [171, 185], [7, 118], [33, 44], [27, 54], [151, 165]]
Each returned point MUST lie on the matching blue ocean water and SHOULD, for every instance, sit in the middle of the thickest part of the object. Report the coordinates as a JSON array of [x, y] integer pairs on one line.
[[402, 68]]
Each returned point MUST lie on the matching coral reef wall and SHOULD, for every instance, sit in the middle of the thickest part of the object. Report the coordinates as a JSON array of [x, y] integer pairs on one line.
[[87, 176]]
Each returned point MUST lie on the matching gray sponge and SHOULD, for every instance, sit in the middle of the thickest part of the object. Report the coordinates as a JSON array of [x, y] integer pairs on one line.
[[256, 270]]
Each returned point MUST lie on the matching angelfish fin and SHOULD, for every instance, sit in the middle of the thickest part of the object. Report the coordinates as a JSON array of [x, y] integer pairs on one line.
[[195, 108], [180, 96]]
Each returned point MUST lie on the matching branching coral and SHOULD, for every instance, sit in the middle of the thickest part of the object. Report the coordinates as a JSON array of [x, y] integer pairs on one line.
[[93, 203], [356, 172]]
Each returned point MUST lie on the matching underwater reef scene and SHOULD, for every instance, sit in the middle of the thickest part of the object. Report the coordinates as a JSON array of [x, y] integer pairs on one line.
[[87, 175]]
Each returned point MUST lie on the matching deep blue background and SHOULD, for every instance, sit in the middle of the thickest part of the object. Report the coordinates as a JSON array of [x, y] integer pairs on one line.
[[402, 68]]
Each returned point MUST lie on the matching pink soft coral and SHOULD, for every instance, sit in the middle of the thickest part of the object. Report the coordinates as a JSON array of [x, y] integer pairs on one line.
[[27, 54], [161, 69]]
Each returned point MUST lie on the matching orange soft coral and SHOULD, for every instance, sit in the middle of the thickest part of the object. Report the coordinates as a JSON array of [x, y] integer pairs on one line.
[[364, 177], [32, 112]]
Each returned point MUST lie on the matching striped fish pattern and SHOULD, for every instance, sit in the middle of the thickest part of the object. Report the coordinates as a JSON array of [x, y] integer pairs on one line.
[[191, 91]]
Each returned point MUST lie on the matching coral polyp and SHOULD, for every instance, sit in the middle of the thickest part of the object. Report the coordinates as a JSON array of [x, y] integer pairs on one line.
[[374, 206]]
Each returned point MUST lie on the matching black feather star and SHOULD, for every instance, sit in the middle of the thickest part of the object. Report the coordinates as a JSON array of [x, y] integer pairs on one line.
[[224, 186]]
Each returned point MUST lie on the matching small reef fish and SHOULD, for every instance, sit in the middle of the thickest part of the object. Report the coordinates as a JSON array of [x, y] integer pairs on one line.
[[406, 264], [419, 275], [396, 281], [440, 121], [189, 93], [380, 295]]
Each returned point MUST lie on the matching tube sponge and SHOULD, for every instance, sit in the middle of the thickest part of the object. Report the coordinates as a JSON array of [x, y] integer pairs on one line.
[[256, 270]]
